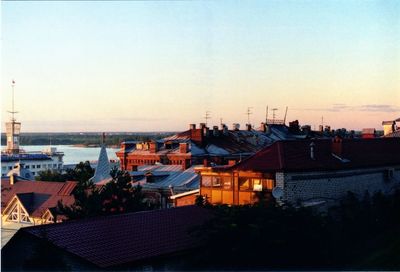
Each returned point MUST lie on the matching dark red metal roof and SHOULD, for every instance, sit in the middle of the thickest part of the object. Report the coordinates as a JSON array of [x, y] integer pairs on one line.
[[296, 155], [38, 196], [121, 239]]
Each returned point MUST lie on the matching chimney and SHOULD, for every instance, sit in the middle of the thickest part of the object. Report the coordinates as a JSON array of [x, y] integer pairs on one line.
[[312, 150], [263, 127], [183, 147], [231, 162], [236, 126], [224, 129], [215, 131], [206, 163], [153, 147], [192, 126], [206, 131], [248, 127], [13, 179], [202, 125], [337, 146]]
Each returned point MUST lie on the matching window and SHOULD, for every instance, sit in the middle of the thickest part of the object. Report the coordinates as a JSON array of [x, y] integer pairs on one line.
[[257, 185], [244, 184], [33, 166], [38, 166], [206, 181], [18, 215], [10, 167], [216, 181], [268, 184], [27, 166], [227, 183]]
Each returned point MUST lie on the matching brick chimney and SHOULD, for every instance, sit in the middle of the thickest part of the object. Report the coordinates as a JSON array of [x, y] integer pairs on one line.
[[224, 129], [231, 162], [183, 147], [337, 146], [196, 135], [248, 127], [153, 147], [206, 131], [13, 179], [263, 127], [215, 131]]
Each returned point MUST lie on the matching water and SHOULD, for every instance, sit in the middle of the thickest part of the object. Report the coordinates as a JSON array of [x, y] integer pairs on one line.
[[74, 154]]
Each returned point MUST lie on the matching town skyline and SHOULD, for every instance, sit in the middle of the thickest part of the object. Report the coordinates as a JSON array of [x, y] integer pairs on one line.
[[159, 66]]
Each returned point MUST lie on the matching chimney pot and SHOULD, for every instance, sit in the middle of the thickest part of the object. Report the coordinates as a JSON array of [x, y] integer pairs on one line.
[[215, 131]]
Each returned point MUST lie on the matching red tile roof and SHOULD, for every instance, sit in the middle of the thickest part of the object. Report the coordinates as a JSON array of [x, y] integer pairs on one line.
[[121, 239], [296, 155], [38, 196]]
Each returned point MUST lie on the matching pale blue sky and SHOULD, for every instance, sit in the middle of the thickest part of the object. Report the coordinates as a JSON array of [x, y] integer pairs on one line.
[[145, 66]]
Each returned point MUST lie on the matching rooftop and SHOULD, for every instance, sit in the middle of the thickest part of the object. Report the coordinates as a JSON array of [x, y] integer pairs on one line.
[[121, 239], [295, 155]]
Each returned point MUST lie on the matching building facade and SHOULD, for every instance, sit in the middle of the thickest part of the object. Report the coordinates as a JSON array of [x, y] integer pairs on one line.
[[307, 171]]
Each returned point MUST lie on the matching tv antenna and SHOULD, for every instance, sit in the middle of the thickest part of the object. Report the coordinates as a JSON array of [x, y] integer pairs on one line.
[[284, 119], [248, 112], [266, 115], [207, 116], [273, 113]]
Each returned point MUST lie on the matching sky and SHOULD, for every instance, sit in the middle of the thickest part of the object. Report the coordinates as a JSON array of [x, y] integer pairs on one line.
[[160, 65]]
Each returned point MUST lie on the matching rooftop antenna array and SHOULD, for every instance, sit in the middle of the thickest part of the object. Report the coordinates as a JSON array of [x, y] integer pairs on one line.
[[207, 116], [248, 112]]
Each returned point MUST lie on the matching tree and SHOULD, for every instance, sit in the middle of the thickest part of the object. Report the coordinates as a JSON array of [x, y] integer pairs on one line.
[[117, 196], [82, 172]]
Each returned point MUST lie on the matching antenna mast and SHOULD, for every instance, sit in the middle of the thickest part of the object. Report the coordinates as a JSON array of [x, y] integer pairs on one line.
[[248, 114], [273, 114], [284, 119], [208, 116], [13, 111], [266, 115]]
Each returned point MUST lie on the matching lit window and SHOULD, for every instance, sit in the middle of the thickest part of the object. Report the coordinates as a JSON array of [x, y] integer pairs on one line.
[[18, 215], [257, 185], [244, 184], [268, 184], [227, 183], [216, 182]]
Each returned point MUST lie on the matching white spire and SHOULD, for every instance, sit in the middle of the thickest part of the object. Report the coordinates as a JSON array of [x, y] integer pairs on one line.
[[103, 168]]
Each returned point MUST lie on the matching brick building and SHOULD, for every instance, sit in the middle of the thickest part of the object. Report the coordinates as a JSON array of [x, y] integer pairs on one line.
[[216, 146], [307, 171]]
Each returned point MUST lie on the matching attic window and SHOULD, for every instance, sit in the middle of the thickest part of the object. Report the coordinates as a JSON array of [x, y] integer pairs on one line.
[[18, 215]]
